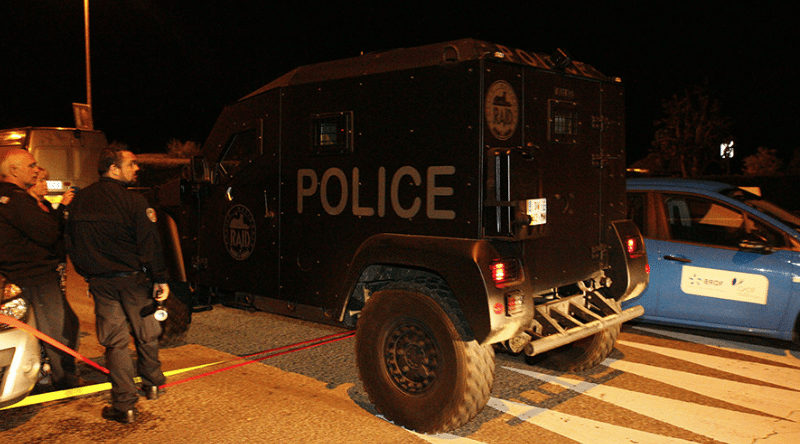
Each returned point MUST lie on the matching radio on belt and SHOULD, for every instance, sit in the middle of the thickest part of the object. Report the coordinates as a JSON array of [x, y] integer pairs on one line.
[[447, 201]]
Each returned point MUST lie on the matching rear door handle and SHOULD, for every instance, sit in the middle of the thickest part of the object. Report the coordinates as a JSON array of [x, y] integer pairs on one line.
[[670, 257]]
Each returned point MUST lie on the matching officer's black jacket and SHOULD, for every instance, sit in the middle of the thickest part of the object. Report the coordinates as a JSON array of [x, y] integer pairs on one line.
[[110, 231], [28, 237], [58, 213]]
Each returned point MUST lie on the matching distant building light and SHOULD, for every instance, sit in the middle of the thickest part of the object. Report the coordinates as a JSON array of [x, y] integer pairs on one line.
[[726, 150], [12, 138]]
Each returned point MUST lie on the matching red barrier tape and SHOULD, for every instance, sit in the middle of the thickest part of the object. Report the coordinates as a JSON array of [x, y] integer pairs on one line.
[[342, 335], [272, 353], [23, 326]]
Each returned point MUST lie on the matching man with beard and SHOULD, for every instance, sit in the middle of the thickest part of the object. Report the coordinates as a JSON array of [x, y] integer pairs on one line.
[[29, 257], [114, 243]]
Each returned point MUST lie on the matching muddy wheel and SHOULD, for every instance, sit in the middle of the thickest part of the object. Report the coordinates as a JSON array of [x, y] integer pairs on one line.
[[179, 309], [417, 359], [582, 354]]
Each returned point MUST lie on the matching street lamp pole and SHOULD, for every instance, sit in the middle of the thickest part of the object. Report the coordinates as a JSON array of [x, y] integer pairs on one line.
[[88, 65]]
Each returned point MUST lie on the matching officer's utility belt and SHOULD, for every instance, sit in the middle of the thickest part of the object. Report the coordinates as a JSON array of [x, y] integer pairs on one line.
[[117, 274]]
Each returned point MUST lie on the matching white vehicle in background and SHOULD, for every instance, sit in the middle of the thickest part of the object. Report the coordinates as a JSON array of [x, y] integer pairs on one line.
[[20, 353], [69, 154]]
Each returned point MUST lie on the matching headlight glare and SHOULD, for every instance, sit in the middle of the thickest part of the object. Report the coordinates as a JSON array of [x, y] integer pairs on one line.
[[10, 291], [15, 308]]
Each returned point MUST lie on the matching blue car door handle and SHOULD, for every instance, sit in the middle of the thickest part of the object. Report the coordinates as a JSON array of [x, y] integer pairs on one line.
[[669, 257]]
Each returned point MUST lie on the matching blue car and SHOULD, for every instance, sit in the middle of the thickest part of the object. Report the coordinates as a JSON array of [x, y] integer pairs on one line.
[[721, 258]]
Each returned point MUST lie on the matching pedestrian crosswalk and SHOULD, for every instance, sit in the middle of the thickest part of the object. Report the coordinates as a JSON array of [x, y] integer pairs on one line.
[[672, 388]]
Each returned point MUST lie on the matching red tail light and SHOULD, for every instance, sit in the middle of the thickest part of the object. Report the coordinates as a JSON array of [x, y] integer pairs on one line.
[[499, 272], [504, 271], [632, 245]]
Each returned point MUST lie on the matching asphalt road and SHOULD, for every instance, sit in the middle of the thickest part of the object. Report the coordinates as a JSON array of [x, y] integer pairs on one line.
[[659, 386]]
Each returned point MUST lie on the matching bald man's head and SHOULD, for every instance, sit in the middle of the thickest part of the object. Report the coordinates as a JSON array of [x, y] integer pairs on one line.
[[19, 167]]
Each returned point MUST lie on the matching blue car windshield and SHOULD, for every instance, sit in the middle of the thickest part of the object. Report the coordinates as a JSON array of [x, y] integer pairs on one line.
[[765, 206]]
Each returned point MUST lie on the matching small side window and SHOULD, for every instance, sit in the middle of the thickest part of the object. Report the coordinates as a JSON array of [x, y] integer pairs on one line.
[[563, 122], [241, 148], [332, 133]]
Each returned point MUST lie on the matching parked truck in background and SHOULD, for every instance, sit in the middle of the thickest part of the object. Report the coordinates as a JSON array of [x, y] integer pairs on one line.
[[447, 200], [69, 154]]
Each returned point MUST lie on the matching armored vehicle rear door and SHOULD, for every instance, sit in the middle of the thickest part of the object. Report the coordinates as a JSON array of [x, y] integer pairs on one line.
[[554, 159]]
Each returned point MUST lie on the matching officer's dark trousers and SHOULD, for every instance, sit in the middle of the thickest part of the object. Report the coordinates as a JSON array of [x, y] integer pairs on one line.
[[55, 318], [118, 304]]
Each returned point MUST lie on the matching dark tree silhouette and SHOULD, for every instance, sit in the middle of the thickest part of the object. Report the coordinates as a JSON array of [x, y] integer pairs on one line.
[[691, 131]]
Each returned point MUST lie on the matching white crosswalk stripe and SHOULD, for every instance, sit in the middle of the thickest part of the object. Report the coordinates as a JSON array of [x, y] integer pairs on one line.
[[757, 402], [580, 429], [780, 355], [772, 401], [787, 377], [445, 438], [717, 423]]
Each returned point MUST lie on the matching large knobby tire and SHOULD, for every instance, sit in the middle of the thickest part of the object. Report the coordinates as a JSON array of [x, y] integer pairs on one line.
[[582, 354], [417, 359]]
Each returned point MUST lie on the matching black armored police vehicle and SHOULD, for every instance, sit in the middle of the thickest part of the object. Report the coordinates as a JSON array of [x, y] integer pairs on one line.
[[448, 200]]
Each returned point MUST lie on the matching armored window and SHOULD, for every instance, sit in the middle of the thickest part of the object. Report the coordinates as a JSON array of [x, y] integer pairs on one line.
[[332, 133], [241, 148], [563, 121]]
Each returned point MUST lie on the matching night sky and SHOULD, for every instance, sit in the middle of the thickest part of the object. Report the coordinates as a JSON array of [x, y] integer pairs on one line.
[[164, 69]]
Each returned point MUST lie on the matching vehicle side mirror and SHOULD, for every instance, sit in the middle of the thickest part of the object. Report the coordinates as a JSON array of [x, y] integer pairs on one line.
[[756, 246], [200, 172]]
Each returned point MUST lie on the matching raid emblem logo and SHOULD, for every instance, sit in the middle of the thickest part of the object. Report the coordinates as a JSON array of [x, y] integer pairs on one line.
[[501, 110], [239, 232]]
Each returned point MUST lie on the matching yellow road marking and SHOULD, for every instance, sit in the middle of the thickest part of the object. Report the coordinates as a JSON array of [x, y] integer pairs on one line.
[[89, 389]]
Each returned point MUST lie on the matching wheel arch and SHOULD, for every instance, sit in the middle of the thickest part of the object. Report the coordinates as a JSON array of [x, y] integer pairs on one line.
[[628, 272], [457, 262]]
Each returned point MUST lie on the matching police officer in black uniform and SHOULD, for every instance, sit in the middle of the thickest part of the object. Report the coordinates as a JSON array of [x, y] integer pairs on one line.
[[29, 257], [114, 243]]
